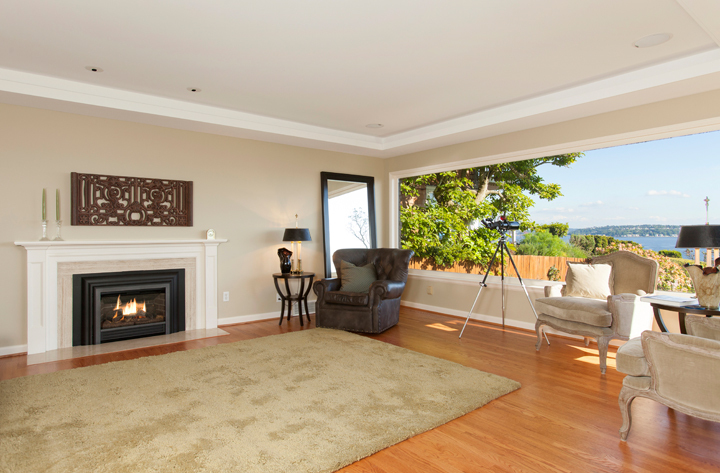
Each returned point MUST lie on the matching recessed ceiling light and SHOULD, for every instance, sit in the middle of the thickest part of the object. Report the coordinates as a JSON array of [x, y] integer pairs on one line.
[[193, 89], [374, 125], [653, 40], [93, 69]]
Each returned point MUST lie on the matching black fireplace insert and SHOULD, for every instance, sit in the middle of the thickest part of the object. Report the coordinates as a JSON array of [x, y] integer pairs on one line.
[[108, 307]]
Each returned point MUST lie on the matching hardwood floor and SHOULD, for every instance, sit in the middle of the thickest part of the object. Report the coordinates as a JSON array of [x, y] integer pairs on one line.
[[565, 418]]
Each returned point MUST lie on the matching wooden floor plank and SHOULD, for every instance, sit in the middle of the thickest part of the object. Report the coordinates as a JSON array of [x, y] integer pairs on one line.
[[565, 418]]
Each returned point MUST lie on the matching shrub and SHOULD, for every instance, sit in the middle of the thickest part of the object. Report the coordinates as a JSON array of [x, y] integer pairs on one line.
[[546, 244], [555, 228], [584, 242], [553, 274], [671, 275], [670, 253]]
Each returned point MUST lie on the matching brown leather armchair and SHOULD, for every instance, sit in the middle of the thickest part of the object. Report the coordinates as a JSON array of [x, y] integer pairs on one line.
[[374, 311]]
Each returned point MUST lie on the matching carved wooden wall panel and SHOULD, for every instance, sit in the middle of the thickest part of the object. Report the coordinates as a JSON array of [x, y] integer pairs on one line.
[[138, 201]]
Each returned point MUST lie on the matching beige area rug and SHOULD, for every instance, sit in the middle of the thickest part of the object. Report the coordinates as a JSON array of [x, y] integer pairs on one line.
[[309, 401]]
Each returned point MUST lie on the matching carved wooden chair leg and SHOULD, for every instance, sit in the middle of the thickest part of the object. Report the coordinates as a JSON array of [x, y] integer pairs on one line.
[[538, 331], [625, 400], [603, 343]]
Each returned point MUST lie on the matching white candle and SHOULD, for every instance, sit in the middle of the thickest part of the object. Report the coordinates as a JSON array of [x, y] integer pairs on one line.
[[57, 204], [43, 206]]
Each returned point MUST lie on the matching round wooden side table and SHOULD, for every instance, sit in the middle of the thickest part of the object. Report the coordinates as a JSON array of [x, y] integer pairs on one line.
[[289, 297]]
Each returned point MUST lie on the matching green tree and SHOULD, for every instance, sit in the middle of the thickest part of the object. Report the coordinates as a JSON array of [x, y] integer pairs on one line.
[[584, 242], [444, 226], [555, 228], [547, 244], [670, 253]]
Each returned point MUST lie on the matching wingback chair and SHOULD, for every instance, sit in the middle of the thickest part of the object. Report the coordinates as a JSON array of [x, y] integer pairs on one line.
[[679, 371], [373, 311], [621, 316]]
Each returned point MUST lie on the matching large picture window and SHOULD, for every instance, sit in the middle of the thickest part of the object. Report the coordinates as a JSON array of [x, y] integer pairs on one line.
[[570, 207]]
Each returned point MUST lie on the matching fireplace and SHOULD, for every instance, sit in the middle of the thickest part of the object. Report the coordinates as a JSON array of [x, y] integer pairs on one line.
[[115, 306]]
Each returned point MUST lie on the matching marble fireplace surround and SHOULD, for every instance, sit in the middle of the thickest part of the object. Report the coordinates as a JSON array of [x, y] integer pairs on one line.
[[51, 264]]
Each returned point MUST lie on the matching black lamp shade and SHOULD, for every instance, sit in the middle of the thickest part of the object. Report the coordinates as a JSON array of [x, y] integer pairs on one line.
[[699, 236], [297, 234]]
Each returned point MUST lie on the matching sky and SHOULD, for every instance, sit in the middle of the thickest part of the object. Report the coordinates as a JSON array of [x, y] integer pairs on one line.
[[657, 182], [340, 209]]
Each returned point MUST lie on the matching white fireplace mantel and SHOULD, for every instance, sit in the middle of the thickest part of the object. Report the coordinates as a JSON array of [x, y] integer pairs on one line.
[[43, 258]]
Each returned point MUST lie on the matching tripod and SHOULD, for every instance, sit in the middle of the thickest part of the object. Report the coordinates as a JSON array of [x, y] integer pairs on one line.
[[502, 248]]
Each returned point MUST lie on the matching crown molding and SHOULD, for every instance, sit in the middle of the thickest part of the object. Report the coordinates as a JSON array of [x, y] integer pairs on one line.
[[35, 90]]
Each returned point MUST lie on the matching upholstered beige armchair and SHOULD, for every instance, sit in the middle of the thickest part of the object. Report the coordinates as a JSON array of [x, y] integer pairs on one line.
[[600, 300], [679, 371]]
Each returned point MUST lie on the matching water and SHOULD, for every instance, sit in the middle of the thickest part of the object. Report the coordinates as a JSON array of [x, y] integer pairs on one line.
[[648, 243], [651, 243]]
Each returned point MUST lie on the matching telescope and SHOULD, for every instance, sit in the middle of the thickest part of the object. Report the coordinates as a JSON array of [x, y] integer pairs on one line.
[[501, 224]]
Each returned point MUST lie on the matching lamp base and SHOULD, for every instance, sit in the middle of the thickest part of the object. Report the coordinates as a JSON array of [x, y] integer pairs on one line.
[[707, 287]]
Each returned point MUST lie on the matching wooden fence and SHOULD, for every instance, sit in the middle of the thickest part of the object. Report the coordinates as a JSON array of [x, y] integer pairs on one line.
[[530, 267]]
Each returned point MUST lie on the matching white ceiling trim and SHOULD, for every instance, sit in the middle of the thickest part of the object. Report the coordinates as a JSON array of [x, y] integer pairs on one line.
[[87, 94], [227, 122]]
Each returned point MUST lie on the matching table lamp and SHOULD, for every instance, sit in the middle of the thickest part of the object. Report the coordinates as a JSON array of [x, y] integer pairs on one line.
[[706, 282], [295, 236]]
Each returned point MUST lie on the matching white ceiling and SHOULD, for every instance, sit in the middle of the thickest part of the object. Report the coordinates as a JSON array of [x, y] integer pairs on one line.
[[315, 72]]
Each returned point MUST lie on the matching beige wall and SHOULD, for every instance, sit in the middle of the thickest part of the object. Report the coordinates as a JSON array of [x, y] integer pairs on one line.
[[681, 116], [248, 191]]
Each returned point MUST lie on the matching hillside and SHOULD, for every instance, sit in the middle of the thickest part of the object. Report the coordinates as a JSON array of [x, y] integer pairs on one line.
[[619, 231]]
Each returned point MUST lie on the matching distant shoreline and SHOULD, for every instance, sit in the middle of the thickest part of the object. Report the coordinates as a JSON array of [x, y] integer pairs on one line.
[[629, 231]]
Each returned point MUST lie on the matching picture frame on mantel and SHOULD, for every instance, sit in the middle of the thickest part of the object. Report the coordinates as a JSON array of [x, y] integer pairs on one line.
[[99, 200]]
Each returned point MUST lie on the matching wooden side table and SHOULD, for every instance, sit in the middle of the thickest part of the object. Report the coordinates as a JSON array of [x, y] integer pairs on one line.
[[682, 312], [289, 297]]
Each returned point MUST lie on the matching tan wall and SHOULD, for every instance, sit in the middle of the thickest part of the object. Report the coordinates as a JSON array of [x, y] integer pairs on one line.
[[457, 297], [248, 191]]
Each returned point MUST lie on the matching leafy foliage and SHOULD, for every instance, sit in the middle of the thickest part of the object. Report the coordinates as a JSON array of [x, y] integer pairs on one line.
[[441, 229], [553, 274], [555, 228], [547, 244], [671, 276], [670, 253], [445, 227], [594, 244]]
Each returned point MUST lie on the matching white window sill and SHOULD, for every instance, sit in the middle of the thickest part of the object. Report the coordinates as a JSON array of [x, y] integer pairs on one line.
[[495, 281]]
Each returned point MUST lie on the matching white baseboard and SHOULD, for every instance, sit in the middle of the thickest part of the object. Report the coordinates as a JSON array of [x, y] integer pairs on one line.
[[492, 319], [13, 350], [239, 319]]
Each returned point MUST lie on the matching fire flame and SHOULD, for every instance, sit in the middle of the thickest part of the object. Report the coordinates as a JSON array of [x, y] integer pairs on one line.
[[131, 308]]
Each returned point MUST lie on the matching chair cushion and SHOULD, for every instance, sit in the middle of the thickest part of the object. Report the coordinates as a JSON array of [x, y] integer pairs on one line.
[[356, 278], [641, 383], [347, 298], [631, 359], [576, 309], [588, 280]]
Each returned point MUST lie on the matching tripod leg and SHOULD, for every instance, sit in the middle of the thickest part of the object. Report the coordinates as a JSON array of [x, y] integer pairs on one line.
[[471, 309], [482, 285], [525, 289], [502, 283]]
